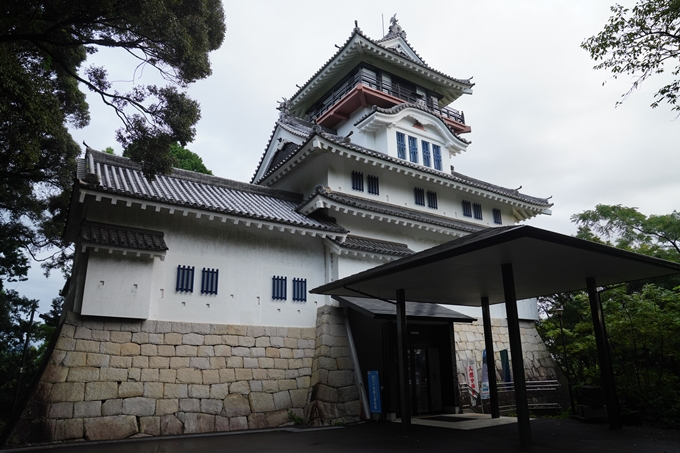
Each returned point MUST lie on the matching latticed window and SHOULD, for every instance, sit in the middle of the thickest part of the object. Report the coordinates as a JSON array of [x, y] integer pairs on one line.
[[419, 195], [413, 149], [437, 153], [358, 181], [185, 279], [477, 208], [300, 289], [209, 281], [401, 145], [497, 219], [373, 186], [426, 154], [279, 287], [467, 209], [431, 199]]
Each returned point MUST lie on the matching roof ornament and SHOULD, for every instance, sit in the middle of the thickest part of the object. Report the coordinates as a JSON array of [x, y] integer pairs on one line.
[[356, 26], [395, 29], [284, 109]]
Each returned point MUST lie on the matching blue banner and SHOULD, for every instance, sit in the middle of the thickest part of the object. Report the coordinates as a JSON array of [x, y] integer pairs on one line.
[[374, 392]]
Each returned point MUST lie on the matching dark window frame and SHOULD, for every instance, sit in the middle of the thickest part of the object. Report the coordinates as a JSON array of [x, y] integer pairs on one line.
[[432, 199], [209, 280], [373, 184], [185, 279], [437, 157], [419, 196], [477, 211], [413, 149], [358, 181], [279, 284], [427, 161], [467, 208], [497, 217], [401, 145], [299, 290]]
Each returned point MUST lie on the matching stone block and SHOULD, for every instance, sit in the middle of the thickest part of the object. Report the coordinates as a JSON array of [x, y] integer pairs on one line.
[[270, 386], [206, 351], [163, 326], [231, 340], [227, 375], [260, 374], [167, 406], [75, 359], [276, 374], [140, 337], [131, 326], [235, 362], [261, 402], [120, 337], [202, 363], [180, 362], [255, 386], [165, 350], [345, 363], [219, 391], [199, 391], [193, 339], [278, 418], [61, 410], [139, 406], [240, 352], [156, 338], [221, 424], [211, 376], [294, 363], [83, 374], [217, 363], [166, 375], [303, 382], [173, 338], [292, 374], [55, 374], [186, 351], [349, 393], [113, 374], [218, 329], [287, 353], [243, 374], [189, 376], [250, 362], [170, 425], [327, 363], [113, 427], [149, 375], [181, 327], [262, 342], [241, 387], [130, 389], [201, 328], [68, 429], [211, 406], [222, 350], [340, 378], [282, 400], [281, 364], [112, 407], [148, 326], [238, 423], [265, 362], [175, 390], [287, 384], [83, 333], [308, 333], [276, 341], [294, 332], [67, 331], [257, 421], [140, 362], [199, 423], [67, 391], [323, 392], [190, 405], [65, 344], [83, 409], [150, 425], [236, 330], [256, 331], [159, 362], [298, 397], [120, 362], [153, 390], [149, 350], [212, 340], [130, 349]]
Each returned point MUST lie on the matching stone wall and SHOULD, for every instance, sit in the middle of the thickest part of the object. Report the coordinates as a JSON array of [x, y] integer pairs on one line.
[[112, 379], [538, 365]]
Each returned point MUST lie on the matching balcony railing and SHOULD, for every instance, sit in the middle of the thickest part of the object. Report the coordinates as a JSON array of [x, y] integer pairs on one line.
[[393, 89]]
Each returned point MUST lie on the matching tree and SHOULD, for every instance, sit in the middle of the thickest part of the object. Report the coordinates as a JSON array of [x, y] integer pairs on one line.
[[185, 159], [641, 42], [43, 48]]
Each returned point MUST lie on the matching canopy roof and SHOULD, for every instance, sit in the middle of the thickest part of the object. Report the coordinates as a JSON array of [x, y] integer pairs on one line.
[[378, 309], [464, 270]]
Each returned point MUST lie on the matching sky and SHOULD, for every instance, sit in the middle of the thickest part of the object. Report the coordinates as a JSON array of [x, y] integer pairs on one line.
[[541, 117]]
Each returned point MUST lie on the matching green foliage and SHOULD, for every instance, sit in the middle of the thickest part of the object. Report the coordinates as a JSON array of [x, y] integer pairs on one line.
[[641, 42], [296, 419], [185, 159], [109, 150]]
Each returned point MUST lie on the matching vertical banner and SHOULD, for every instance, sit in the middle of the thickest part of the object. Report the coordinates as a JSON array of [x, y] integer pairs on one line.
[[374, 392], [473, 385], [485, 378]]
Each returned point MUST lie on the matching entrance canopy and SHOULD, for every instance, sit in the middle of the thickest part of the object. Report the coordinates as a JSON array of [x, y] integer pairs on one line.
[[379, 309], [463, 271]]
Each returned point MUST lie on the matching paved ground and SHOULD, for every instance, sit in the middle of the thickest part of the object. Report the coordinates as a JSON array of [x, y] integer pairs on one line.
[[549, 435]]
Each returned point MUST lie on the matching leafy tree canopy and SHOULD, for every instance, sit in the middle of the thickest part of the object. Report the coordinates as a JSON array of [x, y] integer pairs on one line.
[[188, 160], [641, 42], [43, 49]]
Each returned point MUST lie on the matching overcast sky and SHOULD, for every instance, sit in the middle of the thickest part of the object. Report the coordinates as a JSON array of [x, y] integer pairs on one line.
[[540, 116]]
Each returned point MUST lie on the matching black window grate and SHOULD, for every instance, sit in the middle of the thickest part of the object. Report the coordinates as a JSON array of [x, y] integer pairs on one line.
[[419, 195], [477, 208], [426, 154], [497, 219], [467, 209], [431, 199], [401, 145], [279, 287], [209, 281], [373, 185], [357, 181], [413, 149], [185, 279], [300, 289], [437, 152]]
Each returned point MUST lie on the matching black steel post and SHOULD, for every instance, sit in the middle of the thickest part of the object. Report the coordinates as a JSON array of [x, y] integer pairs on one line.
[[606, 370], [402, 349], [490, 358], [515, 337]]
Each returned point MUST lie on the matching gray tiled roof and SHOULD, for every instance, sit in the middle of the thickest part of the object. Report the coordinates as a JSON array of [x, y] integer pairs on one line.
[[122, 237], [374, 246], [119, 175], [376, 308], [397, 211]]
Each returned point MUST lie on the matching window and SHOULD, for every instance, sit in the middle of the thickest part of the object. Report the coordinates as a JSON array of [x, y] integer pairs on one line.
[[467, 209], [431, 199], [437, 152], [401, 145], [419, 196], [426, 153], [209, 281], [497, 216], [185, 279], [373, 186], [477, 208], [358, 181], [279, 287], [300, 289], [413, 149]]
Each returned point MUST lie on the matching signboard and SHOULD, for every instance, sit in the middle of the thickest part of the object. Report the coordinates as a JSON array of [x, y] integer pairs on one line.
[[374, 392], [473, 384], [485, 378]]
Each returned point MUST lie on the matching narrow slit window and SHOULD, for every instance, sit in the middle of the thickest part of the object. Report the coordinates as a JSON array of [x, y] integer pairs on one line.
[[185, 279], [419, 195], [426, 154], [477, 208], [497, 219], [401, 145], [437, 154], [357, 181], [413, 149], [431, 199], [373, 185], [467, 209], [279, 287], [209, 281], [300, 289]]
